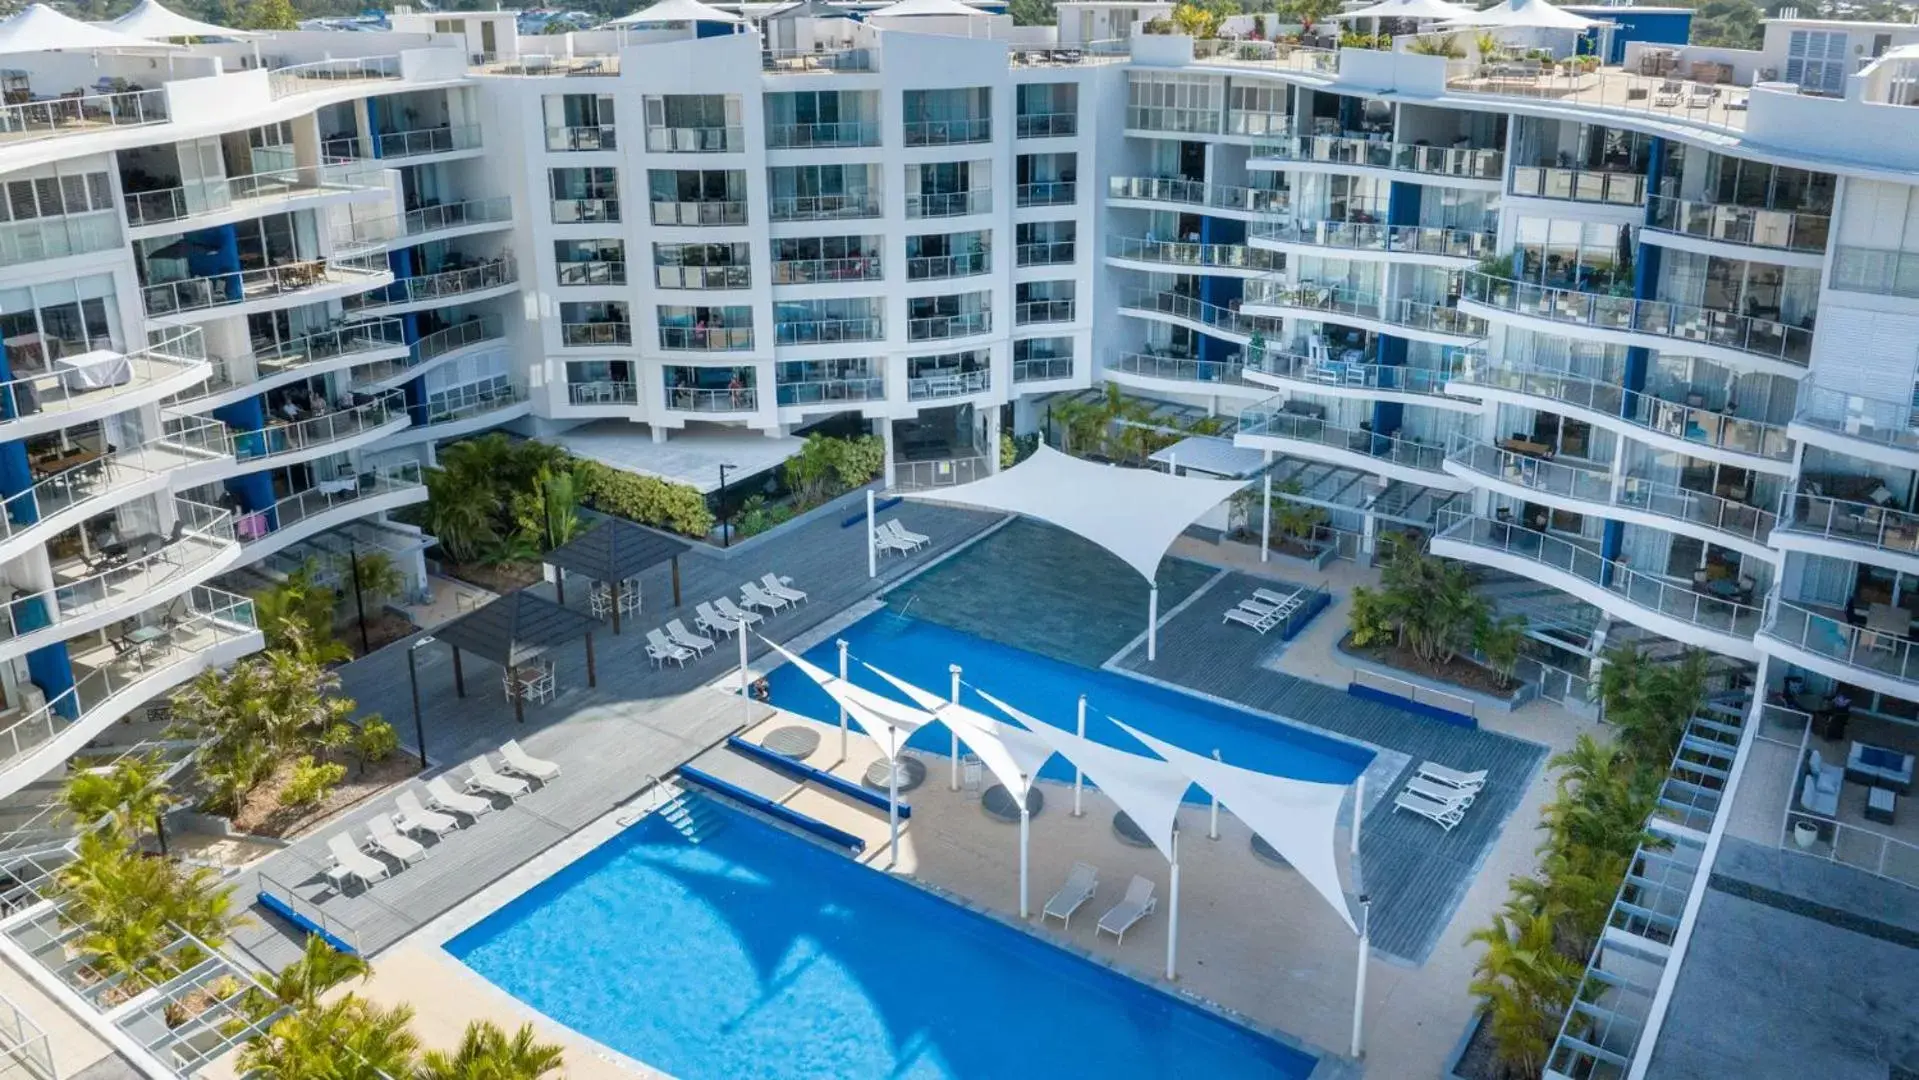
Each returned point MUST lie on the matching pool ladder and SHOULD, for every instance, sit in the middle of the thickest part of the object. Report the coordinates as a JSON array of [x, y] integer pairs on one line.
[[690, 820]]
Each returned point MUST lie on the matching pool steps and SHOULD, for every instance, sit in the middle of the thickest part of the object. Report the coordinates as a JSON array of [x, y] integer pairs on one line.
[[766, 806], [807, 773], [690, 821]]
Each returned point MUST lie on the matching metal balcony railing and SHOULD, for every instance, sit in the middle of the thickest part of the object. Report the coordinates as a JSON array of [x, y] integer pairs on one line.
[[1787, 230], [820, 271], [1765, 338], [829, 331], [596, 333], [940, 327], [322, 74], [828, 391], [822, 135], [947, 384], [1276, 422], [243, 286], [1194, 193], [858, 204], [712, 400], [706, 339], [1170, 253], [1464, 162], [81, 113]]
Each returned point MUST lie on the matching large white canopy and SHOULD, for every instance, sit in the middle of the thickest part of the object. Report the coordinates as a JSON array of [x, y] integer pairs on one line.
[[1408, 9], [911, 8], [1134, 513], [672, 11], [889, 722], [39, 28], [149, 20], [1147, 789], [1013, 755], [1536, 14], [1297, 817]]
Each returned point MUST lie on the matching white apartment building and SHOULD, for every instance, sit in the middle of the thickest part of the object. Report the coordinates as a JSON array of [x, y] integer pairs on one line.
[[1637, 341]]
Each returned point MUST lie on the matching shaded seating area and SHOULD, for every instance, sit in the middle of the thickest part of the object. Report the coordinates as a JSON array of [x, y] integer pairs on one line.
[[517, 631], [614, 554]]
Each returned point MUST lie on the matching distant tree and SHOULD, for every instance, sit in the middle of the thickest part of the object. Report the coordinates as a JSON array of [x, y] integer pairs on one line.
[[1032, 12], [268, 15]]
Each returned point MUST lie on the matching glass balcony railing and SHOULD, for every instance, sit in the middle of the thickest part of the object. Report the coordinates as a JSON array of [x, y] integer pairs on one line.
[[858, 204], [370, 335], [822, 135], [607, 211], [1034, 312], [38, 239], [582, 137], [695, 140], [327, 74], [977, 129], [937, 267], [706, 338], [829, 331], [822, 271], [1055, 125], [306, 506], [948, 384], [591, 273], [702, 277], [1764, 338], [1194, 193], [87, 481], [1042, 368], [1174, 119], [603, 392], [1194, 310], [1371, 236], [448, 285], [708, 214], [1876, 421], [471, 332], [92, 378], [1878, 271], [440, 140], [246, 286], [581, 334], [1787, 230], [1046, 193], [1645, 591], [464, 403], [941, 327], [1052, 253], [281, 437], [831, 391], [1580, 185], [1179, 368], [947, 204], [1356, 374], [1889, 655], [703, 399], [217, 194], [1278, 422], [80, 113], [1169, 253], [1881, 528], [1465, 162]]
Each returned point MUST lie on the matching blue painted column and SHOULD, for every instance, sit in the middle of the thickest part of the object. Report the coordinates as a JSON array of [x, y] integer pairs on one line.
[[373, 126], [215, 251], [1216, 289], [1402, 208], [51, 669], [247, 419], [1645, 286], [15, 476]]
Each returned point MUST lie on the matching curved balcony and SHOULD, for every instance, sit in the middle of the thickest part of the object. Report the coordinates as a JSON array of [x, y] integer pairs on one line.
[[1839, 650], [1671, 425], [432, 350], [1287, 429], [943, 327], [420, 142], [1348, 307], [496, 277], [1854, 531], [1479, 166], [1878, 429], [275, 191], [330, 74], [1187, 374], [330, 504], [1196, 314], [1657, 324], [284, 443], [1418, 243], [203, 630], [78, 486], [1745, 226], [1669, 609], [94, 385], [464, 411], [1283, 370], [1157, 192], [1590, 489], [80, 114], [122, 580], [440, 221], [329, 350], [1227, 260], [304, 282]]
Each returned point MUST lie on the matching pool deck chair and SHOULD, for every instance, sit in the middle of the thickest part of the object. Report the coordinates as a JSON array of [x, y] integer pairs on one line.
[[414, 818], [483, 778], [1433, 770], [662, 650], [521, 763], [677, 630], [753, 596], [1274, 599], [713, 622], [1261, 622], [443, 797], [1081, 882], [1444, 815], [738, 614], [1441, 793], [779, 587], [1138, 903], [884, 539], [382, 836], [911, 541], [349, 862]]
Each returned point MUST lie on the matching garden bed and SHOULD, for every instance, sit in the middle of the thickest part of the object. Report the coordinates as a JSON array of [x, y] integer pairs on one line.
[[500, 579], [262, 815], [1460, 672], [1285, 549], [383, 628], [1477, 1058]]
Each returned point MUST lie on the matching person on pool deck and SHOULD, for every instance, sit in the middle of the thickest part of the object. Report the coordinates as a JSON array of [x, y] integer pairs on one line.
[[763, 691]]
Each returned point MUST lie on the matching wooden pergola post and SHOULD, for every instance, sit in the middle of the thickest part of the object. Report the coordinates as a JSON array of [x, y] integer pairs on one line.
[[676, 581], [618, 588], [459, 677], [559, 584], [591, 678]]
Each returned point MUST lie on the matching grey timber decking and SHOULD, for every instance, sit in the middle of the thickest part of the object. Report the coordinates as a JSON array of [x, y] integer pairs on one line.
[[640, 721], [1415, 873]]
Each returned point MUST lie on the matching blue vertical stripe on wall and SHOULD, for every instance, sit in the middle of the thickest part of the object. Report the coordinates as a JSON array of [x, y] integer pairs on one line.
[[373, 126], [51, 669], [15, 475], [1402, 204], [247, 419], [213, 252]]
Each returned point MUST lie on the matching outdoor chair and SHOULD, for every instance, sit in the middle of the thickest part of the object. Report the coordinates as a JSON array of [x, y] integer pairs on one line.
[[483, 778], [680, 635], [349, 862], [518, 761], [781, 587], [753, 596], [383, 837], [738, 614], [414, 818], [713, 622], [1433, 770], [1138, 903], [443, 797], [1441, 793], [661, 650], [1444, 815], [1081, 882]]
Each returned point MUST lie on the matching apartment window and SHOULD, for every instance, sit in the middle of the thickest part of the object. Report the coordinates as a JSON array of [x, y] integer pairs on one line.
[[948, 374], [823, 192], [932, 318], [450, 26], [948, 255], [1046, 110], [815, 118], [1046, 179], [808, 260], [1163, 101], [697, 197], [1043, 302], [813, 382], [56, 196], [580, 122], [1035, 359], [706, 329], [948, 117], [595, 322], [949, 188], [831, 319], [693, 123], [68, 317], [703, 266], [1044, 243], [1258, 109], [590, 262], [1817, 61], [583, 196]]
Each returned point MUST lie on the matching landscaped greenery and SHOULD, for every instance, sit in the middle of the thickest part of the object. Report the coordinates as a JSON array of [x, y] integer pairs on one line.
[[1296, 524], [1538, 943], [1425, 606], [826, 467], [1119, 428]]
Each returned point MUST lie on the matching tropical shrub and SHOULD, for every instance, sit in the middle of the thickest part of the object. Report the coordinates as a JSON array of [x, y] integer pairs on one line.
[[1429, 604], [827, 466], [349, 1038], [1447, 46], [311, 782], [129, 907], [645, 499], [378, 577], [374, 741], [487, 1053], [299, 613], [132, 793]]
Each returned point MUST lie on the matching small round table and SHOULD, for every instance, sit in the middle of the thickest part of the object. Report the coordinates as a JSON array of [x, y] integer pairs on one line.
[[912, 773], [1129, 832], [1000, 805], [793, 742]]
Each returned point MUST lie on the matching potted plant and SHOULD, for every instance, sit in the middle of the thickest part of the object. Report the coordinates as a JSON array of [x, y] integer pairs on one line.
[[1805, 834]]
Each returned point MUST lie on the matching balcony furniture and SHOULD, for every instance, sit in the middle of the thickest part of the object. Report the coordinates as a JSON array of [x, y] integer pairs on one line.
[[1819, 791], [1882, 806], [93, 370], [1886, 624], [1879, 766]]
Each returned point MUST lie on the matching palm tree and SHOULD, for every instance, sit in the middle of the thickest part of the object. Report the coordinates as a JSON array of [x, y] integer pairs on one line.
[[485, 1053], [460, 511], [1524, 984], [320, 968], [348, 1039], [133, 792]]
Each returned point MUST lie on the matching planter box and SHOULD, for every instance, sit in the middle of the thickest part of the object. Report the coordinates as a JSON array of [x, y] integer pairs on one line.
[[1521, 694], [1456, 1059], [1251, 549]]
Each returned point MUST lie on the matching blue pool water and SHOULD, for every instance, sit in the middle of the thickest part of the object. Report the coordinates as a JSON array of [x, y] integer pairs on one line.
[[1048, 690], [753, 954]]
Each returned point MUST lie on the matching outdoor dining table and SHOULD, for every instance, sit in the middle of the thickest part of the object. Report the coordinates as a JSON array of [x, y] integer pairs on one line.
[[94, 370]]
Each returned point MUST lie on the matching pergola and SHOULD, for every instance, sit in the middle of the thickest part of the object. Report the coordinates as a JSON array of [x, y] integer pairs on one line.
[[512, 630], [615, 551]]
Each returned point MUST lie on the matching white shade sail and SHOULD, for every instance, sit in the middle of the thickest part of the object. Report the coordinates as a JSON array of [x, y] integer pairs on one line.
[[39, 28], [149, 20], [1013, 755], [1535, 14], [1134, 513], [910, 8], [672, 11], [1408, 9], [1147, 789], [1297, 817], [889, 722]]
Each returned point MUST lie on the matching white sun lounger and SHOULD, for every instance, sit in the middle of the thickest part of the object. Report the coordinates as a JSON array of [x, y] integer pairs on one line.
[[738, 614], [382, 836], [1441, 793], [713, 622], [483, 778], [1261, 622], [443, 797], [771, 583], [1444, 815], [1081, 882], [884, 539], [1138, 903], [899, 532], [414, 818], [519, 762], [1274, 599], [350, 862], [662, 650], [1433, 770], [751, 595], [677, 630]]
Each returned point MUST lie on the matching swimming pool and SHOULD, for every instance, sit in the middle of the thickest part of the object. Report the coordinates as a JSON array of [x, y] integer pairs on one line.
[[920, 652], [723, 948]]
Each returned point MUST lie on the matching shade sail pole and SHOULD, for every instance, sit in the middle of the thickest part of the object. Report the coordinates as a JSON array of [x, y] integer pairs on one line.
[[842, 704], [1359, 804], [1172, 914], [1079, 778], [953, 753], [893, 810], [1152, 622], [1025, 821], [1359, 984], [746, 688], [872, 539], [1212, 824], [1266, 518]]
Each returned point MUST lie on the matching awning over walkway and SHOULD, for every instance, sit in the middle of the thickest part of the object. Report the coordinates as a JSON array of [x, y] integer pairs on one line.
[[1211, 454]]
